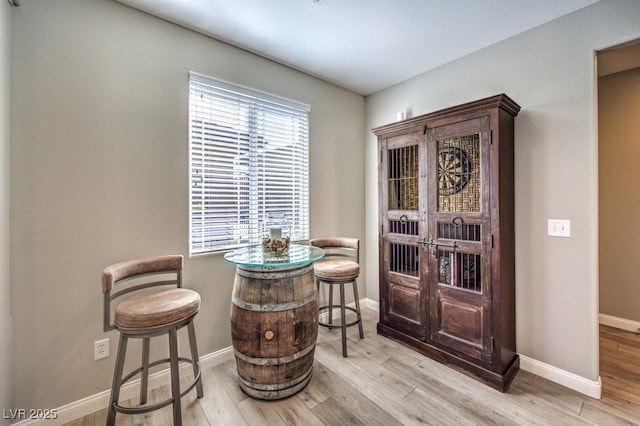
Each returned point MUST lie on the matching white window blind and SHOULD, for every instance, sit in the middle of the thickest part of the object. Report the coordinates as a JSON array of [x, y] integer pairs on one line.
[[248, 158]]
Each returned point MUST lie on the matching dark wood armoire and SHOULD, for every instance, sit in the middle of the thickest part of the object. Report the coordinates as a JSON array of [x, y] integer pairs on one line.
[[446, 237]]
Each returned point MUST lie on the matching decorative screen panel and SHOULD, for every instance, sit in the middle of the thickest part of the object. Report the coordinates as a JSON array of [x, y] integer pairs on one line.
[[459, 174], [403, 178], [404, 259], [461, 270], [465, 232], [404, 227]]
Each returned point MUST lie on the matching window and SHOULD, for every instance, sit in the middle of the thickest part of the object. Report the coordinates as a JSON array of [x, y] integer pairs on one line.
[[249, 157]]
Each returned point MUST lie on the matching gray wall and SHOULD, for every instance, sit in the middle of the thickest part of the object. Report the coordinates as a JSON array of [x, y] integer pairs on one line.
[[100, 174], [619, 196], [5, 309], [550, 72]]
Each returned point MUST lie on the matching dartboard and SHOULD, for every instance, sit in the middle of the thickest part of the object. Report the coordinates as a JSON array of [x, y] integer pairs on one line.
[[453, 170]]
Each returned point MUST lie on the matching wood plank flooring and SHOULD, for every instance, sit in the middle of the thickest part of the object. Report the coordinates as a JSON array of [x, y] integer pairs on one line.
[[620, 364], [384, 383]]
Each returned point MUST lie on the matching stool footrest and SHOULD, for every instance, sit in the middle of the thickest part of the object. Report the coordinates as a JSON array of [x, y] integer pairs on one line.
[[166, 402], [339, 325]]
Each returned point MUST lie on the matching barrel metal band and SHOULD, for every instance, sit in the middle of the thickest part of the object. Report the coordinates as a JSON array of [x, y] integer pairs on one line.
[[267, 273], [273, 307], [290, 385], [274, 361]]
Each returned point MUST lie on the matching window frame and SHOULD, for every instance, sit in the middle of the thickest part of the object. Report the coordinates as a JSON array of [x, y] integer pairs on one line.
[[266, 149]]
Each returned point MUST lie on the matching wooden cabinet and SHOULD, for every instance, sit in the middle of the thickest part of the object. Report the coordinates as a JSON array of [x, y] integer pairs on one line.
[[446, 237]]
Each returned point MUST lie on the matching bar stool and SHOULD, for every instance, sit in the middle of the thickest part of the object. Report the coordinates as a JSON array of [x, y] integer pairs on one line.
[[155, 304], [339, 266]]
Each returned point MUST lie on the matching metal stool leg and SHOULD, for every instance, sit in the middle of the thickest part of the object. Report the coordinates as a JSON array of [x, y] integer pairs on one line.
[[197, 367], [175, 377], [144, 374], [330, 303], [343, 321], [117, 380], [357, 300]]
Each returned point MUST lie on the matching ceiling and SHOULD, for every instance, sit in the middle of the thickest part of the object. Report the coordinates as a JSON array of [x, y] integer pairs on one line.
[[360, 45]]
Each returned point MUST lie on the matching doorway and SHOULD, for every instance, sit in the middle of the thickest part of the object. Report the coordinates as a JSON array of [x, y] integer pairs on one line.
[[618, 86]]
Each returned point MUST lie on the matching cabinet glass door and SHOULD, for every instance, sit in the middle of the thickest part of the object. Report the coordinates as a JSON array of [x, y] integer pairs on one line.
[[459, 241]]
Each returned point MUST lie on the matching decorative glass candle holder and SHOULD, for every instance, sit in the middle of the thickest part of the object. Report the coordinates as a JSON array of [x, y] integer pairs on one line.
[[275, 238]]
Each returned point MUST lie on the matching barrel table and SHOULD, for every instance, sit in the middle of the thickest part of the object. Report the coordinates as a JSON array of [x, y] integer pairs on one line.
[[274, 319]]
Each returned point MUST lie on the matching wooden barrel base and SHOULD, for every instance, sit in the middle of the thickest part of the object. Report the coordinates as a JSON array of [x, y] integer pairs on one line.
[[274, 326]]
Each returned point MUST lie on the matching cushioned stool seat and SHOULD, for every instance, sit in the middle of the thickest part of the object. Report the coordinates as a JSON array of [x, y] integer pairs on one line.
[[340, 266], [336, 268], [157, 309]]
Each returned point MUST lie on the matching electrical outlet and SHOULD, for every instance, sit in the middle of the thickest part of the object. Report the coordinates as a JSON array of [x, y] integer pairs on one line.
[[558, 228], [100, 349]]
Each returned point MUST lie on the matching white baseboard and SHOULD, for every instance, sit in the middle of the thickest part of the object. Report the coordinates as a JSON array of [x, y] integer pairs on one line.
[[93, 403], [371, 304], [562, 377], [549, 372], [97, 402], [621, 323]]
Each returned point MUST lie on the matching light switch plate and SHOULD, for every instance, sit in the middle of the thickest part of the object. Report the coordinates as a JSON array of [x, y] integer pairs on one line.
[[558, 228]]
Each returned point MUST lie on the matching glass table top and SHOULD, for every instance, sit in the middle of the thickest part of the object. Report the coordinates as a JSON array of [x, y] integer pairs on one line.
[[254, 256]]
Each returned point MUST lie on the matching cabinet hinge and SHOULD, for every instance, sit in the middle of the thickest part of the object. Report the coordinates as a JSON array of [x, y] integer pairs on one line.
[[491, 240], [491, 137], [424, 132], [493, 344]]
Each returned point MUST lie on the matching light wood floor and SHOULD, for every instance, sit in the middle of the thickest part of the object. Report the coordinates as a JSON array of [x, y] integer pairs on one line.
[[384, 383], [620, 365]]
